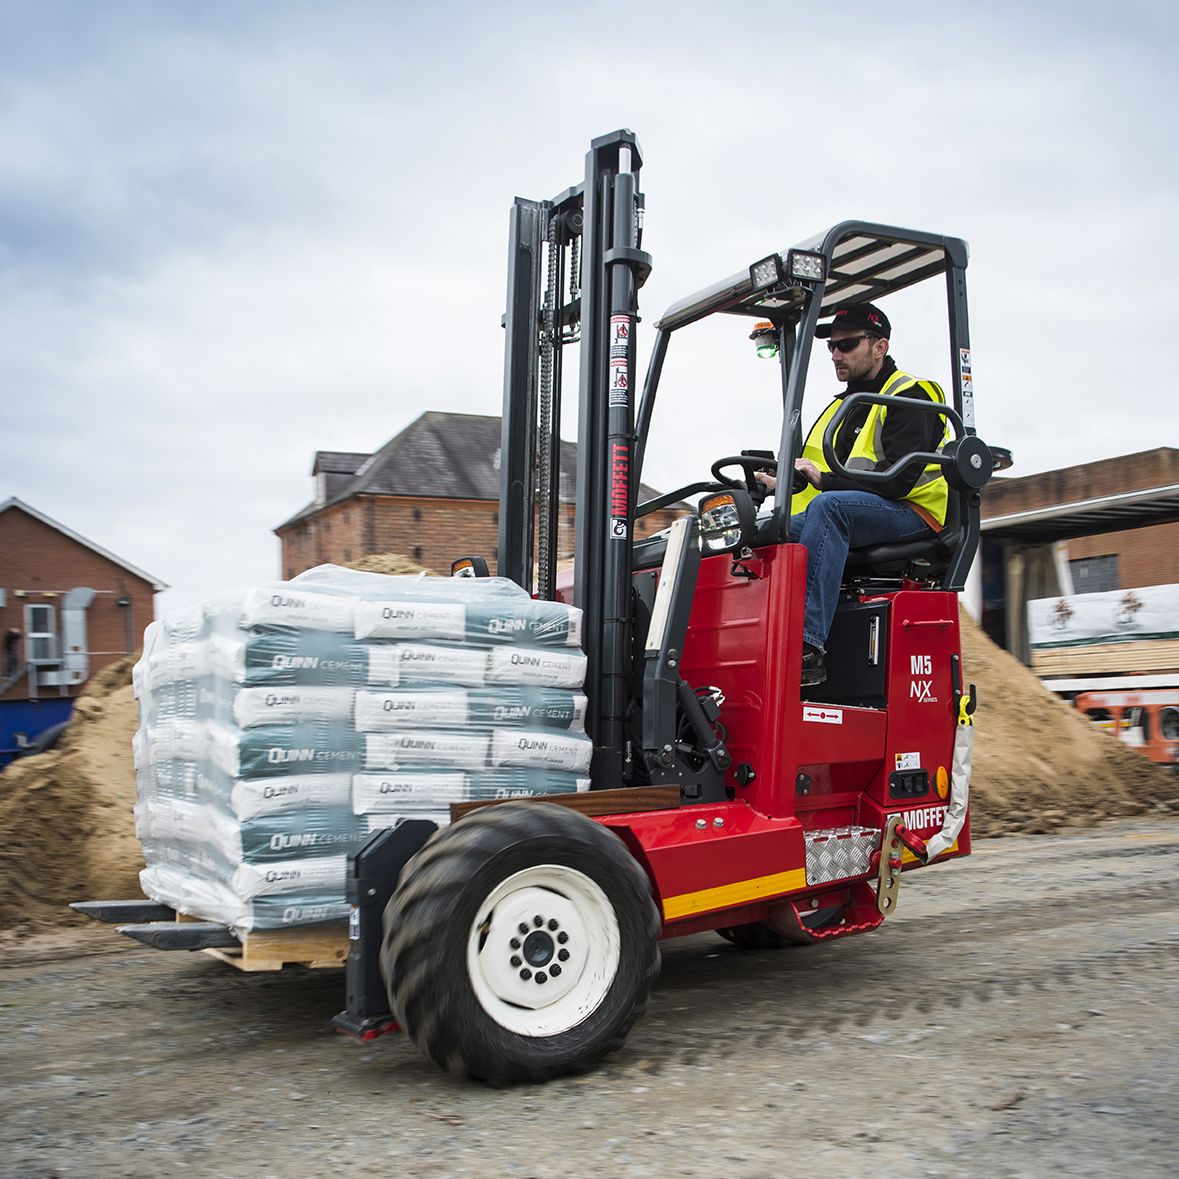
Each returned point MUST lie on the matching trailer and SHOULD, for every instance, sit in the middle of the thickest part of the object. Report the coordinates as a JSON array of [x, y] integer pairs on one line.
[[521, 940]]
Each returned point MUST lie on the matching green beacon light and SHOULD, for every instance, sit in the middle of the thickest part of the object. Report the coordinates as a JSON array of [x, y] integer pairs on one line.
[[765, 337]]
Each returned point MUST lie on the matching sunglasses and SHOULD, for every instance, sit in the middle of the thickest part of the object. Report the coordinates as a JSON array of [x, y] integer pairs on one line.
[[850, 344]]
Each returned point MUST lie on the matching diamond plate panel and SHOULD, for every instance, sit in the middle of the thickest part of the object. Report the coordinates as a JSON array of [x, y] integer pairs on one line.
[[838, 853]]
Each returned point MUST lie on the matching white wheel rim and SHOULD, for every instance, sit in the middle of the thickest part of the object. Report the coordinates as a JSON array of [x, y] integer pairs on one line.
[[548, 979]]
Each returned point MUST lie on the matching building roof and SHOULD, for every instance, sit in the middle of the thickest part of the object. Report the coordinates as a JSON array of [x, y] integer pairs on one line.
[[1110, 495], [437, 456], [157, 585], [338, 462]]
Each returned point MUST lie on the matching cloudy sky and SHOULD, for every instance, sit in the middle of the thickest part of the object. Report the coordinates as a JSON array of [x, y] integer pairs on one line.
[[233, 234]]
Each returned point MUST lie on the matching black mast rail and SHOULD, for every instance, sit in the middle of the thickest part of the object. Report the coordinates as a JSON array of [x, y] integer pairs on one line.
[[593, 232]]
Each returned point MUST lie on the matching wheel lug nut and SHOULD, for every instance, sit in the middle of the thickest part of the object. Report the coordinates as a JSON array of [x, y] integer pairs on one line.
[[553, 923], [514, 943], [515, 960], [538, 921], [564, 956], [554, 970], [525, 974], [542, 977], [562, 938], [522, 927]]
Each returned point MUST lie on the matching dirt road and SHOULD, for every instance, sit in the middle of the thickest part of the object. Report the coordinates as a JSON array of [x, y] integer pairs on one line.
[[1017, 1017]]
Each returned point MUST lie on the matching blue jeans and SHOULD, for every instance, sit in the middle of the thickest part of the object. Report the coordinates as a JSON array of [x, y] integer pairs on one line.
[[834, 522]]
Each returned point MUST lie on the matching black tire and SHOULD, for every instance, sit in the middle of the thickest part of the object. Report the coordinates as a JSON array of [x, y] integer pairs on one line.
[[761, 935], [450, 981]]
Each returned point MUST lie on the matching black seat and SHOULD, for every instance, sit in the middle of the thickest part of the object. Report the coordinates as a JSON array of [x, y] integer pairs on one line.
[[927, 559]]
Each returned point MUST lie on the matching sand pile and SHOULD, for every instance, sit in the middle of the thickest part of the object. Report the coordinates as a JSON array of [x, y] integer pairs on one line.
[[67, 830], [393, 563], [67, 827], [1039, 764]]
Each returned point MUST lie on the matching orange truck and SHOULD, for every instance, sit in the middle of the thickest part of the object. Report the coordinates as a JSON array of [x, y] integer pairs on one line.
[[1146, 720]]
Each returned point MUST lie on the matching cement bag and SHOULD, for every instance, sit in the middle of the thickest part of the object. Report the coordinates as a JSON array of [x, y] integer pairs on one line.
[[419, 748], [495, 620], [271, 750], [427, 663], [335, 831], [541, 748], [288, 657], [546, 668], [295, 704], [440, 707], [308, 876], [408, 791], [255, 797]]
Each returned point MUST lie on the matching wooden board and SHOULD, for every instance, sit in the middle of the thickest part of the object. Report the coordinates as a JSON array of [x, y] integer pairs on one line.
[[590, 802], [1153, 655], [315, 946]]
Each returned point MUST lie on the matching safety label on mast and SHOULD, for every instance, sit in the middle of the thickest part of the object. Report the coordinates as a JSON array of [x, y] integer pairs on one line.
[[620, 327]]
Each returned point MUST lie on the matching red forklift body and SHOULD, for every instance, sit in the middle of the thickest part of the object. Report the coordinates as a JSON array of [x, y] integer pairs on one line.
[[810, 768]]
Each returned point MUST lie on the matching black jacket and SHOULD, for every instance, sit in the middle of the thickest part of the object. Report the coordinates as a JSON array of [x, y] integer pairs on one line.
[[903, 434]]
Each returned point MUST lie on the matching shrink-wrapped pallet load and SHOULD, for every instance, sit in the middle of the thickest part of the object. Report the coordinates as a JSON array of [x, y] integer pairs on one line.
[[281, 726]]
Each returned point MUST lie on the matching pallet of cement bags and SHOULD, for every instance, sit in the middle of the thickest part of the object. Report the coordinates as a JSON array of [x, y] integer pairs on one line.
[[282, 725]]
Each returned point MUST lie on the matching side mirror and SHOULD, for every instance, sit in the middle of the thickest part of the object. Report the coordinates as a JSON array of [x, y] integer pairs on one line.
[[727, 521]]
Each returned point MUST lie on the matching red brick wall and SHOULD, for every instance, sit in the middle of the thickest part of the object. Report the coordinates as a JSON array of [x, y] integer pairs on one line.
[[432, 532], [45, 565], [1146, 556]]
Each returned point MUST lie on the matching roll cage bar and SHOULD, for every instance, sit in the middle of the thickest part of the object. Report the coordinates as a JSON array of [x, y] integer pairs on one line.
[[862, 262], [574, 270]]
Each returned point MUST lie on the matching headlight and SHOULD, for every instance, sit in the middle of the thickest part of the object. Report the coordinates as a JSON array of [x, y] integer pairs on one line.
[[726, 521], [766, 273], [806, 266]]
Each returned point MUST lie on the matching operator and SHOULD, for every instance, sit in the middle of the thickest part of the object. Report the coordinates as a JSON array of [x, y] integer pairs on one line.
[[834, 513]]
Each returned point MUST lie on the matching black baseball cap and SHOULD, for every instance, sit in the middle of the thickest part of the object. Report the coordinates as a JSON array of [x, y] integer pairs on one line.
[[866, 317]]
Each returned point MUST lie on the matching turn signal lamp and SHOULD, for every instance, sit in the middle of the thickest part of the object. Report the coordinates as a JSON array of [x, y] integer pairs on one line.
[[726, 521], [469, 567], [942, 782], [765, 339], [766, 273], [806, 266]]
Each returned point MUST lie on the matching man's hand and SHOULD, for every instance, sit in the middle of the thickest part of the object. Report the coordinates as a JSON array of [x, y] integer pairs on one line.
[[809, 471], [766, 479]]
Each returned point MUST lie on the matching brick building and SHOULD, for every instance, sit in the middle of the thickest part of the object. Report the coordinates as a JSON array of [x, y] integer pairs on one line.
[[430, 494], [68, 608], [1099, 527]]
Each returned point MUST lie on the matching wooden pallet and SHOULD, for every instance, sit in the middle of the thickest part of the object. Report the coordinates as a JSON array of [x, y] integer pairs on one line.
[[315, 946], [322, 946]]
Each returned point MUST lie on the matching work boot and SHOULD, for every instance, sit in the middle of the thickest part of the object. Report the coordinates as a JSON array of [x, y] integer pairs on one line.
[[814, 670]]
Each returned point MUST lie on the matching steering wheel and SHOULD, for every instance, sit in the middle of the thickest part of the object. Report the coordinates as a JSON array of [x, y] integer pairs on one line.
[[750, 465]]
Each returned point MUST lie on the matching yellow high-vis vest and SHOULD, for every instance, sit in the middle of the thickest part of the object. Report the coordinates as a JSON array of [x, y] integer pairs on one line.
[[930, 493]]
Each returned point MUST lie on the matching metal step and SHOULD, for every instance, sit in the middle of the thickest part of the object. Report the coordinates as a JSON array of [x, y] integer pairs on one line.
[[115, 912], [182, 935]]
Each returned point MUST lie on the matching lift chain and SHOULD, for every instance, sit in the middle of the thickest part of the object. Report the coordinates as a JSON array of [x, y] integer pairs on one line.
[[544, 432]]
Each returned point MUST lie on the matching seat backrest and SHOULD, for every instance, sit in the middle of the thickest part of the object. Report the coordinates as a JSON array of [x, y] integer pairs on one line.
[[928, 558]]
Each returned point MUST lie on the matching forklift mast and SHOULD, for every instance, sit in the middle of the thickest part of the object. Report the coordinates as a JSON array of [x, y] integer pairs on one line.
[[586, 243]]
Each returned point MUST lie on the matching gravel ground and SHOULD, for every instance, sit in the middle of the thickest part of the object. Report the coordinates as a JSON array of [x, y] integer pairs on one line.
[[1017, 1017]]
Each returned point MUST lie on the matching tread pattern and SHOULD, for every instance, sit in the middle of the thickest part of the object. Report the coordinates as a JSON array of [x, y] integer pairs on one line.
[[423, 952]]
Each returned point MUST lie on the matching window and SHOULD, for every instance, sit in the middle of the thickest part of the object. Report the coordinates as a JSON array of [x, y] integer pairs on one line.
[[1095, 575], [417, 552], [417, 513], [40, 635]]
